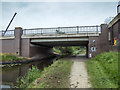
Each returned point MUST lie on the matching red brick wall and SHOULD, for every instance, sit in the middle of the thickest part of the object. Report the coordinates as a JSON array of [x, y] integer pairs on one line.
[[8, 46], [25, 47], [101, 42]]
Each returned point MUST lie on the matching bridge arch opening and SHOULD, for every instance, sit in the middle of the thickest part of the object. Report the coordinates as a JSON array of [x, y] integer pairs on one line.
[[74, 51]]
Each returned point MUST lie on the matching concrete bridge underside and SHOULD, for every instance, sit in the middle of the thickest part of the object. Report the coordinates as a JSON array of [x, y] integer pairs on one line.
[[61, 41], [51, 41]]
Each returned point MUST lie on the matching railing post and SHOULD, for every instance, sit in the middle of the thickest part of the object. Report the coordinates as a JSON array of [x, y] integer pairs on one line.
[[2, 32], [41, 31], [97, 29], [77, 29], [24, 32]]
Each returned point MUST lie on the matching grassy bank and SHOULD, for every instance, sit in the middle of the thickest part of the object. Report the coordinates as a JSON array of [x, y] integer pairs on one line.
[[71, 50], [54, 76], [6, 57], [103, 70]]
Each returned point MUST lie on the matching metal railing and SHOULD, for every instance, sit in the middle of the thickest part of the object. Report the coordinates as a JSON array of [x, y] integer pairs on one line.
[[8, 33], [57, 30], [62, 30]]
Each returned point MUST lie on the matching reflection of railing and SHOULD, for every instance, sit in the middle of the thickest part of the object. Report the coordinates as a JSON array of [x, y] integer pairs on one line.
[[58, 30], [62, 30], [8, 33]]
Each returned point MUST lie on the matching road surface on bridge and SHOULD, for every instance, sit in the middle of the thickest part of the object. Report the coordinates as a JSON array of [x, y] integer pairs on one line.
[[78, 75]]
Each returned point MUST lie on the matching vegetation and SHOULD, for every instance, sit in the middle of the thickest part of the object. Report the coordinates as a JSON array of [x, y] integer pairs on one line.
[[103, 70], [11, 57], [59, 32], [54, 76], [32, 74], [77, 50], [70, 50]]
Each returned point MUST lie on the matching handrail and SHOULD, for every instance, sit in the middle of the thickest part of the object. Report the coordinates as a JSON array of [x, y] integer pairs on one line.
[[56, 30], [62, 30], [8, 33]]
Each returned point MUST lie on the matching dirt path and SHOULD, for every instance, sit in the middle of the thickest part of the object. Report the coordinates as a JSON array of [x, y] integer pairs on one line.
[[79, 76]]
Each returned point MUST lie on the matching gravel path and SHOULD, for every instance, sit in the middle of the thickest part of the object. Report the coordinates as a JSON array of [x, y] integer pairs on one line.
[[79, 76]]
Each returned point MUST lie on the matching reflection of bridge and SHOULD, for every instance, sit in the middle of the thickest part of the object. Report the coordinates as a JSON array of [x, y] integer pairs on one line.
[[28, 42]]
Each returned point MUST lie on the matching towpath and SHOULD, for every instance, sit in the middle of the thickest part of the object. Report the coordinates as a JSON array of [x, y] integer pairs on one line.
[[78, 75]]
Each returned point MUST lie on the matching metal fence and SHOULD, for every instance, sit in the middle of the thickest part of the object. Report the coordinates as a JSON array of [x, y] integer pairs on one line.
[[62, 30], [8, 33], [58, 30]]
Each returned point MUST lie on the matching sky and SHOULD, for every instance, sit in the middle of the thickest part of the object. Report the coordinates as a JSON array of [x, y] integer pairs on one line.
[[56, 14]]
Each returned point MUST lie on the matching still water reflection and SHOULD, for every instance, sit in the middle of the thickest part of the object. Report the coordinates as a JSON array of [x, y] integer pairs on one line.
[[10, 74]]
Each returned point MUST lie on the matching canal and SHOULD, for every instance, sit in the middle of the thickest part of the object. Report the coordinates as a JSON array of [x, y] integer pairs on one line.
[[11, 73]]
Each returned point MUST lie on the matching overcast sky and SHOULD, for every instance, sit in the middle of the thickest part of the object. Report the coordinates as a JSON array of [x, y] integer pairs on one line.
[[56, 14]]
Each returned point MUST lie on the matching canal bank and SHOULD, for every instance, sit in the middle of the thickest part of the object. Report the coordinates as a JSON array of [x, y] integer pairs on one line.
[[104, 70], [69, 72], [10, 72], [8, 59], [54, 76]]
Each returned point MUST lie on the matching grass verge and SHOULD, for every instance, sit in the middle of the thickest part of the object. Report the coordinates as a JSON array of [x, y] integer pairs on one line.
[[54, 76], [103, 70], [6, 57]]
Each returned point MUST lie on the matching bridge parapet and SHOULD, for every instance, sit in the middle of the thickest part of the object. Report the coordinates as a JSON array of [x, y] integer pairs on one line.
[[56, 31], [9, 33], [62, 30]]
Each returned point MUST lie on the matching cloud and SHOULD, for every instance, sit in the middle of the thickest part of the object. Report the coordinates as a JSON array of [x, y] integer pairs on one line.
[[59, 0], [54, 14]]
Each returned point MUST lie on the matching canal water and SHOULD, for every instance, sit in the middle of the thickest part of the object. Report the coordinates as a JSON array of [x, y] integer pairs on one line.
[[10, 74]]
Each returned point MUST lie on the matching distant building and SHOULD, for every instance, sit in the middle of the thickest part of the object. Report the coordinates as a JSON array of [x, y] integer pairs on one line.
[[118, 7], [114, 29]]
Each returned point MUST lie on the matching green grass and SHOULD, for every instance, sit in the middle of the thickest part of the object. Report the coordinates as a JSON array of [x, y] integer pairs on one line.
[[11, 57], [77, 51], [33, 74], [54, 76], [57, 51], [72, 50], [103, 70]]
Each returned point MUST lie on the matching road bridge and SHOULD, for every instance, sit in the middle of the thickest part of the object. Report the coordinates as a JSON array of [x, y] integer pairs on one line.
[[61, 36], [29, 42]]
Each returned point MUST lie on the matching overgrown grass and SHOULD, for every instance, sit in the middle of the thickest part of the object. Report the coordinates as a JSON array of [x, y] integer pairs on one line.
[[103, 70], [54, 76], [11, 57], [25, 81]]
